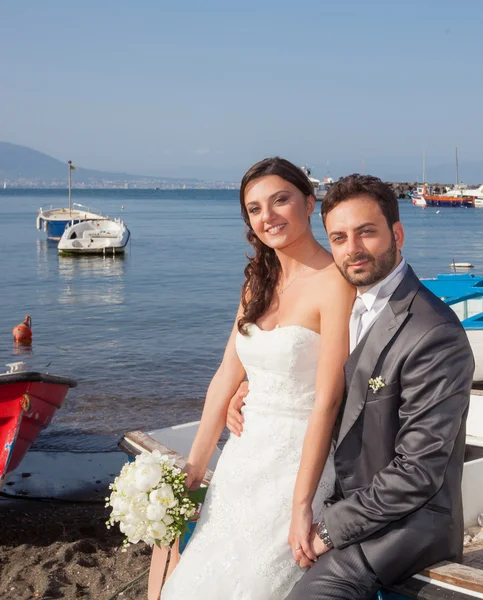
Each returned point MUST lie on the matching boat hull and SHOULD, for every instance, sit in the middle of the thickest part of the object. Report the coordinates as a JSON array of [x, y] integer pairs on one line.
[[28, 401], [95, 237], [449, 201], [91, 251], [56, 220], [54, 229]]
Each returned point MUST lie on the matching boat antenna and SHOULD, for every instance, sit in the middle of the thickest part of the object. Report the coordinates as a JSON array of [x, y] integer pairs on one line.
[[69, 162], [457, 174], [424, 166]]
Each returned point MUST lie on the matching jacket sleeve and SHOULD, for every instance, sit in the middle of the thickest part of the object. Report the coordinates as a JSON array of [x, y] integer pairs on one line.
[[435, 382]]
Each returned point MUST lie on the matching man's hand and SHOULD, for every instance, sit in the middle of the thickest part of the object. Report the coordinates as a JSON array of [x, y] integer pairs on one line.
[[234, 418]]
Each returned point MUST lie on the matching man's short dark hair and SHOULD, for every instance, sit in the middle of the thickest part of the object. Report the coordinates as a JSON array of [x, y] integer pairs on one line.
[[362, 185]]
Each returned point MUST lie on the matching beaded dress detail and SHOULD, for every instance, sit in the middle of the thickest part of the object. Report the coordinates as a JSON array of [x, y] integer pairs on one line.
[[239, 550]]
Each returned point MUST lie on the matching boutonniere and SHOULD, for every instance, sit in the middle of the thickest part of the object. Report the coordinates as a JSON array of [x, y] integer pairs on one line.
[[376, 384]]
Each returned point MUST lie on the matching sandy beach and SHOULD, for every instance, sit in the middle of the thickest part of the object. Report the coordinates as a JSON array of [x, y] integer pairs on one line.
[[52, 550]]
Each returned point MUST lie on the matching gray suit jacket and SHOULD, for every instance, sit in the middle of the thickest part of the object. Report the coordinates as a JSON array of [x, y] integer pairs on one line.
[[400, 451]]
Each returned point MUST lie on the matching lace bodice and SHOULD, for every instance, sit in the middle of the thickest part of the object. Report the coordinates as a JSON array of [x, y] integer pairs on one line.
[[281, 366], [239, 550]]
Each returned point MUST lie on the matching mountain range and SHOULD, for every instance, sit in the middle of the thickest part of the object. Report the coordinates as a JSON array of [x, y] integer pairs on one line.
[[21, 162]]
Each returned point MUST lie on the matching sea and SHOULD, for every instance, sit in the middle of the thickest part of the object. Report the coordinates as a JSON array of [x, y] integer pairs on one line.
[[144, 333]]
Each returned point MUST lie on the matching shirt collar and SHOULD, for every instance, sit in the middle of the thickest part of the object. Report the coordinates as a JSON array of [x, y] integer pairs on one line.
[[385, 288]]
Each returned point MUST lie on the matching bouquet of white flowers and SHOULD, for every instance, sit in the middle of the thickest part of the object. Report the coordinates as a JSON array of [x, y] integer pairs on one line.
[[150, 501]]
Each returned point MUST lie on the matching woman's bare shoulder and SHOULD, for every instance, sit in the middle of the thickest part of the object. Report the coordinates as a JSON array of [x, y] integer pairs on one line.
[[332, 284]]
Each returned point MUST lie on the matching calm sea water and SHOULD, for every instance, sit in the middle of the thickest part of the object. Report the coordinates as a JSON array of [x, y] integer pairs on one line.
[[144, 334]]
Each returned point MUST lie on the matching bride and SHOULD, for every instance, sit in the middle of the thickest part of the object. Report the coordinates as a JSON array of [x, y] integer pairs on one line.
[[291, 340]]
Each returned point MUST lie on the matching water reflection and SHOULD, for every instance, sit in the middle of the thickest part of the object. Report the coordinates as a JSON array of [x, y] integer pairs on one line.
[[92, 279], [21, 348], [46, 254], [84, 279], [71, 266]]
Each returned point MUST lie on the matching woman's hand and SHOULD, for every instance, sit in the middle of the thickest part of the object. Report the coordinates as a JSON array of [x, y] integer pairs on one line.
[[195, 474], [299, 536]]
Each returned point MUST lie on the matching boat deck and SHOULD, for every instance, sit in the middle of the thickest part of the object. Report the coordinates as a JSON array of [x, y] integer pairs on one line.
[[447, 581]]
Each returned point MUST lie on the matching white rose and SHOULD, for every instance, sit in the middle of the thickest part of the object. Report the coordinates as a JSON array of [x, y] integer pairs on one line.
[[127, 528], [164, 494], [130, 519], [119, 505], [157, 456], [138, 509], [156, 512], [147, 476], [157, 530], [168, 519], [127, 484]]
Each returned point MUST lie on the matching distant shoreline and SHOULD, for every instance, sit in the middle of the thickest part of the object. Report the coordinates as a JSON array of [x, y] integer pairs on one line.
[[401, 188]]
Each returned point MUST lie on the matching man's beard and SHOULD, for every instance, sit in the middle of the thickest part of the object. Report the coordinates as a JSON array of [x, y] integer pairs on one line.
[[378, 270]]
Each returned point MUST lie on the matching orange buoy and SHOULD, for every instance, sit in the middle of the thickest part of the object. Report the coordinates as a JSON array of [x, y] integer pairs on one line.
[[23, 332]]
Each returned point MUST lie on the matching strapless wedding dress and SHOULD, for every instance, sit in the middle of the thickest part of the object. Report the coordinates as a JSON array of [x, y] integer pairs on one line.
[[239, 550]]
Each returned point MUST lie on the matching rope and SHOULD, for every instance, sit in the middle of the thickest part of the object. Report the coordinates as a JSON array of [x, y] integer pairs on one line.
[[128, 584]]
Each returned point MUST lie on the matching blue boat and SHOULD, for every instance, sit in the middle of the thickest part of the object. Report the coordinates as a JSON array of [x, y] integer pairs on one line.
[[54, 221], [464, 293]]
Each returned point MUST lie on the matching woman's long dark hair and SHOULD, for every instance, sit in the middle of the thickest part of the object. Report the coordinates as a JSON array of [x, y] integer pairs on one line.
[[263, 269]]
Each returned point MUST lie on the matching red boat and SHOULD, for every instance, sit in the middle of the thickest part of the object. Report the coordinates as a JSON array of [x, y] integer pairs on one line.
[[28, 401], [440, 200]]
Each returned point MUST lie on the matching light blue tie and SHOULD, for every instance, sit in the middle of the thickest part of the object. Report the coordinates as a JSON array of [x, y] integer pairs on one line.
[[355, 322]]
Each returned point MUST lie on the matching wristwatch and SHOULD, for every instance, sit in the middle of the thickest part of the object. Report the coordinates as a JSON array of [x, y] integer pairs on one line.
[[324, 534]]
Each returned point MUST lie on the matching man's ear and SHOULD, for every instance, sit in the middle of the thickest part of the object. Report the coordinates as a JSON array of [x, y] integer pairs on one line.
[[398, 231]]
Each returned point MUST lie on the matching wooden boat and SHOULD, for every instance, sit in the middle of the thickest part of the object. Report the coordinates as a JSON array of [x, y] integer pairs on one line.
[[95, 237], [445, 581], [28, 401], [450, 201], [424, 196]]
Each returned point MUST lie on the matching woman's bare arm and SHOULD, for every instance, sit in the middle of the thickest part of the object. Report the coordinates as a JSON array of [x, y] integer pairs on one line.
[[336, 299], [221, 389]]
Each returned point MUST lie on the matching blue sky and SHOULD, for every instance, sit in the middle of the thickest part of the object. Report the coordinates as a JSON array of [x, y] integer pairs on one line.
[[207, 88]]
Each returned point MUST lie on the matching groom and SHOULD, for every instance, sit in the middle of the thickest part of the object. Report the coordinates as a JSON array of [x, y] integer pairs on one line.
[[401, 440]]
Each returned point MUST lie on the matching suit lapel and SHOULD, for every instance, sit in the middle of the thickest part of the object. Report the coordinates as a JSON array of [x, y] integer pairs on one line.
[[352, 361], [361, 364]]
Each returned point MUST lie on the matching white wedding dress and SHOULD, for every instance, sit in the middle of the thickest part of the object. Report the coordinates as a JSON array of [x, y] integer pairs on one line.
[[239, 550]]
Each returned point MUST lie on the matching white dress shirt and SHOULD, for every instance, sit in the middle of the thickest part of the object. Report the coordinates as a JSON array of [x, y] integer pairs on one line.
[[374, 300]]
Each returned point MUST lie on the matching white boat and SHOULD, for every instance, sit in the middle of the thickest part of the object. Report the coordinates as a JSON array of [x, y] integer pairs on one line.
[[96, 236], [476, 193], [320, 188]]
